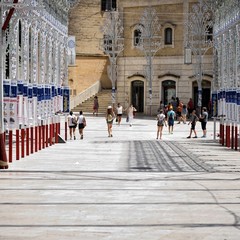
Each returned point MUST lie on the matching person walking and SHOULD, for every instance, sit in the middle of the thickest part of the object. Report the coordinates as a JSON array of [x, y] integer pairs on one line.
[[179, 111], [81, 124], [203, 119], [184, 113], [170, 120], [95, 106], [109, 119], [190, 107], [119, 113], [72, 124], [193, 122], [160, 123], [130, 113]]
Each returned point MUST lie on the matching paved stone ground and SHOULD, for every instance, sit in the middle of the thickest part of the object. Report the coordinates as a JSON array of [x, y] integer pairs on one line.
[[131, 186]]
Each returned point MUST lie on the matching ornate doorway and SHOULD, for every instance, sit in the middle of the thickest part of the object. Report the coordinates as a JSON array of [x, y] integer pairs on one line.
[[138, 95], [169, 91]]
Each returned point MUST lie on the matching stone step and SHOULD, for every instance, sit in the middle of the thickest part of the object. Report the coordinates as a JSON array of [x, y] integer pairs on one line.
[[104, 100]]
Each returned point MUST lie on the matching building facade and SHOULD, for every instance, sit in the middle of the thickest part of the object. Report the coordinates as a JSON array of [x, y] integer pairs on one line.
[[172, 76]]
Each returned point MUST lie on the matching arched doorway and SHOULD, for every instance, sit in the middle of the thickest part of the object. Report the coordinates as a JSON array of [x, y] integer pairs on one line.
[[169, 91], [138, 95], [206, 93]]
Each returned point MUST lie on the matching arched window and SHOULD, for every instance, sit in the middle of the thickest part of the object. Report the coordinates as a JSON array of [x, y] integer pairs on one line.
[[136, 37], [168, 36], [108, 5]]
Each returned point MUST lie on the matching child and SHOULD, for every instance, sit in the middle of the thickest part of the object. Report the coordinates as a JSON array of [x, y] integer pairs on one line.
[[193, 121]]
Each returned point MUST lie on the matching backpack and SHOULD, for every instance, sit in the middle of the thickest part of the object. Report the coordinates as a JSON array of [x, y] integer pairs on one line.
[[160, 120], [170, 116]]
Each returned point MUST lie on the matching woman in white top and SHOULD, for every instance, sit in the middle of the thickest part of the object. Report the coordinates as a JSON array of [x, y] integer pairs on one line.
[[81, 124], [119, 113], [130, 112], [72, 124]]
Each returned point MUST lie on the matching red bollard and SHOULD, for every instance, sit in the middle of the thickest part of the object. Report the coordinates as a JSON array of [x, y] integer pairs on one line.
[[36, 138], [3, 155], [31, 139], [17, 144], [43, 136], [50, 134], [59, 128], [228, 135], [39, 137], [220, 133], [27, 142], [65, 131], [47, 135], [10, 139], [56, 133], [22, 143], [53, 137], [232, 137], [223, 134], [236, 137]]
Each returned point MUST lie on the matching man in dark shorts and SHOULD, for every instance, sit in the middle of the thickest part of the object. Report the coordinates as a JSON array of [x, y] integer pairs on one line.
[[204, 118]]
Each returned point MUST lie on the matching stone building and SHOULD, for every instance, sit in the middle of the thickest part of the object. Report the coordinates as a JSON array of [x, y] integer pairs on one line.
[[172, 76]]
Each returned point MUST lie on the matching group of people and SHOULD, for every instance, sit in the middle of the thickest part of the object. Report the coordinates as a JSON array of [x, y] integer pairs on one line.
[[166, 117], [111, 115], [74, 122], [177, 110]]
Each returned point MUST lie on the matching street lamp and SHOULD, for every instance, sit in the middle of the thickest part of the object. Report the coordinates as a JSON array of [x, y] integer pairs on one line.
[[150, 43], [112, 44], [199, 40]]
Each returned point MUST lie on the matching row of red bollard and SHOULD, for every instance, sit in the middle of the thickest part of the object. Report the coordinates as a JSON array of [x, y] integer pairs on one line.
[[229, 135], [30, 140]]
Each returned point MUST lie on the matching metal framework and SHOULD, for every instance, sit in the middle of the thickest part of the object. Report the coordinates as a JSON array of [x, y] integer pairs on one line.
[[199, 39], [150, 43], [112, 44], [33, 54], [227, 44]]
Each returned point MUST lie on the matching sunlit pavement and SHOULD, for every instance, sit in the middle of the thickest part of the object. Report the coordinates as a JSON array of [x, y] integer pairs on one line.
[[129, 186]]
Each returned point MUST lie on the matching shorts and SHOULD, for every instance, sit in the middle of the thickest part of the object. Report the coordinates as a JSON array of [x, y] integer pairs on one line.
[[119, 115], [204, 124], [193, 126], [170, 122], [81, 126], [72, 126]]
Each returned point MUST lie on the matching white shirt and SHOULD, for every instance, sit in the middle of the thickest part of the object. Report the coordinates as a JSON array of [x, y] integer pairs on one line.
[[119, 110]]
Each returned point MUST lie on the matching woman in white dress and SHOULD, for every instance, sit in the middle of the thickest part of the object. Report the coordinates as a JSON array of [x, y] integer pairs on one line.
[[130, 112]]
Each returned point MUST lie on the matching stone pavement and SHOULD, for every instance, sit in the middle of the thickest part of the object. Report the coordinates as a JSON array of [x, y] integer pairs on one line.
[[130, 186]]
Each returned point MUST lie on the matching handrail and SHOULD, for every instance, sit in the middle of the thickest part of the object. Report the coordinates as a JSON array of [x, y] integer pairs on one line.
[[87, 93]]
